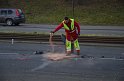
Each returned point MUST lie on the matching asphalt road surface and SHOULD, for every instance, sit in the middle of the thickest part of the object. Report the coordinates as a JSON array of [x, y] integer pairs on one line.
[[19, 63], [39, 28]]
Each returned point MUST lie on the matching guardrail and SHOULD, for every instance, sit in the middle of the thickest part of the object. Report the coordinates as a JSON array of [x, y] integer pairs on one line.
[[57, 38]]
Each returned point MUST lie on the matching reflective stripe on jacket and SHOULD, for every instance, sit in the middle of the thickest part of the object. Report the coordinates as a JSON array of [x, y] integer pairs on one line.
[[72, 25]]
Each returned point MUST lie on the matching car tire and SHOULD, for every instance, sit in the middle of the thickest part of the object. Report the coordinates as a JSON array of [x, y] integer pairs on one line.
[[9, 22]]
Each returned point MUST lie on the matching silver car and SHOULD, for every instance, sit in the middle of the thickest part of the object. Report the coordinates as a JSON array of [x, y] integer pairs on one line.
[[12, 16]]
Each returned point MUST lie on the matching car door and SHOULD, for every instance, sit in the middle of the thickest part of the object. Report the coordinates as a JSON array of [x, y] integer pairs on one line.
[[3, 14]]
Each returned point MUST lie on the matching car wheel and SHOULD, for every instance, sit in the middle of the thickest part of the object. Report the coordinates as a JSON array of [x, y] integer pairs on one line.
[[9, 22]]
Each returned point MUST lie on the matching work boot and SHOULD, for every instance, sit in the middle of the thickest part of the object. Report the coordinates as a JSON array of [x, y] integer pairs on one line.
[[78, 52], [68, 53]]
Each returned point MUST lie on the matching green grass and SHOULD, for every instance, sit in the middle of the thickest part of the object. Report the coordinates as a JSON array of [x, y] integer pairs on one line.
[[101, 15], [104, 12]]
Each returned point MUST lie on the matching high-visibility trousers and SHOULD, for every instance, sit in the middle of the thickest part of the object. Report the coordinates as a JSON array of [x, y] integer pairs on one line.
[[76, 45]]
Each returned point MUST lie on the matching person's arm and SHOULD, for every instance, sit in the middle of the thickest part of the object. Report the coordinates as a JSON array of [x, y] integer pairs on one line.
[[78, 27], [58, 27]]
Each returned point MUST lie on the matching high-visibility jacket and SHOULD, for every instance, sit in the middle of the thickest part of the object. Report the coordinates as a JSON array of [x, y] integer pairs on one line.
[[72, 29], [69, 28]]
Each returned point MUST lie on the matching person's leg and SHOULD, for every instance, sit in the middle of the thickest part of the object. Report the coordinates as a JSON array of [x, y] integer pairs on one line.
[[68, 47], [77, 47], [72, 47], [78, 52]]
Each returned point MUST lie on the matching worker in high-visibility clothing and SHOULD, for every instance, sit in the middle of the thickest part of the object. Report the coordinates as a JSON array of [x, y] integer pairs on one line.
[[72, 30]]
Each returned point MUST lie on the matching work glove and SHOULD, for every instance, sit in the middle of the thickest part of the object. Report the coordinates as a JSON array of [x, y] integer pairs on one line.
[[78, 34], [51, 33]]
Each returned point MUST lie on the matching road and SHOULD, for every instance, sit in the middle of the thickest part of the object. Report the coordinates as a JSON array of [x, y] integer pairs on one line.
[[19, 63], [90, 30]]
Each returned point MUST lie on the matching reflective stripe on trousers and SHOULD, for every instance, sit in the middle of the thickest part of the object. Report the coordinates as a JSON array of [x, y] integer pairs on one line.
[[76, 45]]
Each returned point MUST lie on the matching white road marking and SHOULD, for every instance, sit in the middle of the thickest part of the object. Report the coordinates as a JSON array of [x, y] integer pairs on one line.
[[46, 63], [8, 53], [122, 53], [112, 58]]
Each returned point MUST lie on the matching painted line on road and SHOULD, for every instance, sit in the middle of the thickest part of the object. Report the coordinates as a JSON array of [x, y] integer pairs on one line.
[[42, 66], [111, 59], [8, 53]]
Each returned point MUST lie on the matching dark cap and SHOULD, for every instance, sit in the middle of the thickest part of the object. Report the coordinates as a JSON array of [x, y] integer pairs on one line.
[[66, 18]]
